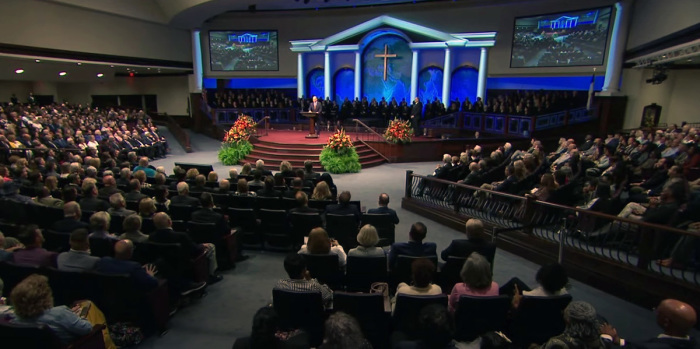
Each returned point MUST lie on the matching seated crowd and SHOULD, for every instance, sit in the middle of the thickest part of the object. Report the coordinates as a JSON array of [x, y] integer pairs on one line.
[[651, 177]]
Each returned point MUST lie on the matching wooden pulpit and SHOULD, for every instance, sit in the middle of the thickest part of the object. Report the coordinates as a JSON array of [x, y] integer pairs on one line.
[[312, 123]]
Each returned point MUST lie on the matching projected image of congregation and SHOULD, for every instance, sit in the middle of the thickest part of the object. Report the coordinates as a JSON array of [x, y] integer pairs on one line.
[[349, 174]]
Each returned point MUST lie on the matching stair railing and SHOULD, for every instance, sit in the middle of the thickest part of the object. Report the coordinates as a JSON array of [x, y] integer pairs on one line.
[[266, 122], [366, 133]]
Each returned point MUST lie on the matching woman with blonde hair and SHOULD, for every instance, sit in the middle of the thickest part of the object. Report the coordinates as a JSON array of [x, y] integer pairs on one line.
[[286, 169], [322, 192], [191, 174], [320, 243], [32, 300], [367, 239]]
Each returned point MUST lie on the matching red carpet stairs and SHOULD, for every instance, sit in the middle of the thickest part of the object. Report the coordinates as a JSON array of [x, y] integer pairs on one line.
[[274, 153]]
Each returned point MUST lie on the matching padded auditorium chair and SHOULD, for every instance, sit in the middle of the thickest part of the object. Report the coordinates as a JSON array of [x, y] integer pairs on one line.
[[275, 229], [402, 271], [478, 315], [300, 310], [100, 247], [40, 336], [245, 222], [384, 225], [325, 268], [56, 241], [226, 248], [342, 228], [302, 223], [450, 272], [370, 311], [538, 319], [361, 272], [408, 308]]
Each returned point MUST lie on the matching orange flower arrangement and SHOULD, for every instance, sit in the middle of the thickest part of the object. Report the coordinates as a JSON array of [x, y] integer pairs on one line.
[[339, 141], [399, 131], [241, 130]]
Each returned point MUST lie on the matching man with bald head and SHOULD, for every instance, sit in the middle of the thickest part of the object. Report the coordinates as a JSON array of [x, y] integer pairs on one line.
[[110, 187], [121, 263], [71, 219], [676, 318]]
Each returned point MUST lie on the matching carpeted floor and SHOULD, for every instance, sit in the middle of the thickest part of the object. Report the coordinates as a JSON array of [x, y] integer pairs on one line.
[[226, 312]]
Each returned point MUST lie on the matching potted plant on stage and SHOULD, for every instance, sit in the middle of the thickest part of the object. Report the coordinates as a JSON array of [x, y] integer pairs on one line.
[[399, 132], [236, 145], [339, 155]]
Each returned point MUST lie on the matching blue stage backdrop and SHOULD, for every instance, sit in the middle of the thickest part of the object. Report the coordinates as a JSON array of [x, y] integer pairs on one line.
[[314, 83], [430, 84], [398, 82], [464, 81], [344, 85]]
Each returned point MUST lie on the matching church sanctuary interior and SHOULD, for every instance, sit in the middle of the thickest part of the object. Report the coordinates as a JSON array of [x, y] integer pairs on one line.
[[349, 174]]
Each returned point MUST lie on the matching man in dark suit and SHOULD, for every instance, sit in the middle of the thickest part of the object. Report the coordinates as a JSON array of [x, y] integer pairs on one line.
[[414, 247], [164, 233], [344, 207], [416, 112], [297, 186], [384, 208], [121, 263], [134, 193], [110, 187], [71, 220], [303, 202], [182, 198], [33, 254], [316, 107], [676, 318], [473, 243], [90, 202], [206, 214], [309, 173]]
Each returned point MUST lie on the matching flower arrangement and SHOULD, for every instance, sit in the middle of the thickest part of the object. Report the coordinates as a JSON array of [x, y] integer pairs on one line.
[[236, 145], [339, 155], [241, 130], [399, 131]]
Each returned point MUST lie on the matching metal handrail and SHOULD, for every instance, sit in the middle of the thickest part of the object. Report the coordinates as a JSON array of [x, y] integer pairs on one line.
[[266, 121], [379, 136]]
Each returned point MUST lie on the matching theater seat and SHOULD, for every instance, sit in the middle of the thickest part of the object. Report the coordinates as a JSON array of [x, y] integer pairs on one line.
[[300, 310], [41, 337]]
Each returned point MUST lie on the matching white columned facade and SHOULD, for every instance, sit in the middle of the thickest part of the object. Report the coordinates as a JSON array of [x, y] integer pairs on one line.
[[483, 74], [414, 76], [300, 75], [327, 75], [447, 78], [617, 48], [358, 74]]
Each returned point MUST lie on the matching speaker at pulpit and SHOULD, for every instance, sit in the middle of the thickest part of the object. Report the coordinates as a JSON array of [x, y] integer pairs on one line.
[[312, 123]]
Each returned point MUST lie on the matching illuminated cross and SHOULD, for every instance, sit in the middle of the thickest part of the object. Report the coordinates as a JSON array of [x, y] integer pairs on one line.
[[386, 56]]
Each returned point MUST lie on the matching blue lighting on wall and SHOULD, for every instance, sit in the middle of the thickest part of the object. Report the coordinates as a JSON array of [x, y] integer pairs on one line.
[[430, 84], [344, 85], [581, 83], [314, 83], [256, 83], [398, 82], [464, 81]]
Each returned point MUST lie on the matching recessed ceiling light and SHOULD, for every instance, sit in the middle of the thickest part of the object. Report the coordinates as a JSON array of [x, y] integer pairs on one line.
[[99, 75], [80, 63], [37, 60], [19, 71], [111, 66], [148, 68], [62, 73]]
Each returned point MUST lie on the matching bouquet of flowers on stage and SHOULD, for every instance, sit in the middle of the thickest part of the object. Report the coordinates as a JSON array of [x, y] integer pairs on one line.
[[399, 131], [339, 155], [236, 146]]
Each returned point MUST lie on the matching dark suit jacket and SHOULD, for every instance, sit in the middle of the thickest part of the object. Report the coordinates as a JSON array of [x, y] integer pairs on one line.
[[385, 210], [134, 196], [108, 191], [343, 210], [661, 214], [411, 248], [67, 225], [184, 200], [35, 256], [206, 215], [170, 236], [269, 194], [464, 247], [507, 185], [109, 265], [316, 108], [93, 204], [417, 110], [304, 209]]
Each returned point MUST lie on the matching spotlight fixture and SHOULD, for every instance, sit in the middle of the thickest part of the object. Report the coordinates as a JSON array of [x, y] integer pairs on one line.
[[62, 73], [80, 63], [99, 75], [37, 60], [659, 75], [111, 66], [19, 71]]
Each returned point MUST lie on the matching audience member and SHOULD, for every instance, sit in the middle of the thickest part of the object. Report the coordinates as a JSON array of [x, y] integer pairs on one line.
[[319, 243], [118, 206], [415, 247], [71, 220], [367, 240], [581, 331], [182, 198], [99, 226], [78, 259], [342, 331], [422, 273], [266, 333], [132, 229], [33, 254], [121, 263], [477, 280], [384, 208], [300, 279], [474, 242]]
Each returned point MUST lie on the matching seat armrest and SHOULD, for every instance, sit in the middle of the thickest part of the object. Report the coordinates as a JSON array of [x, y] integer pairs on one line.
[[92, 340]]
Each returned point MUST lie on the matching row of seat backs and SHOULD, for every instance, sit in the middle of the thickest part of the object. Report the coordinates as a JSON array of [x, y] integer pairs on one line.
[[536, 320], [118, 296], [40, 336]]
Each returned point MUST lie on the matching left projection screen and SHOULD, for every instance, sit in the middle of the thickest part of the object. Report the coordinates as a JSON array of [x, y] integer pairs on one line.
[[243, 50]]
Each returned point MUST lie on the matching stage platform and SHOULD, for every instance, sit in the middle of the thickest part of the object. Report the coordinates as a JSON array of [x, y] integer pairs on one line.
[[299, 137]]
